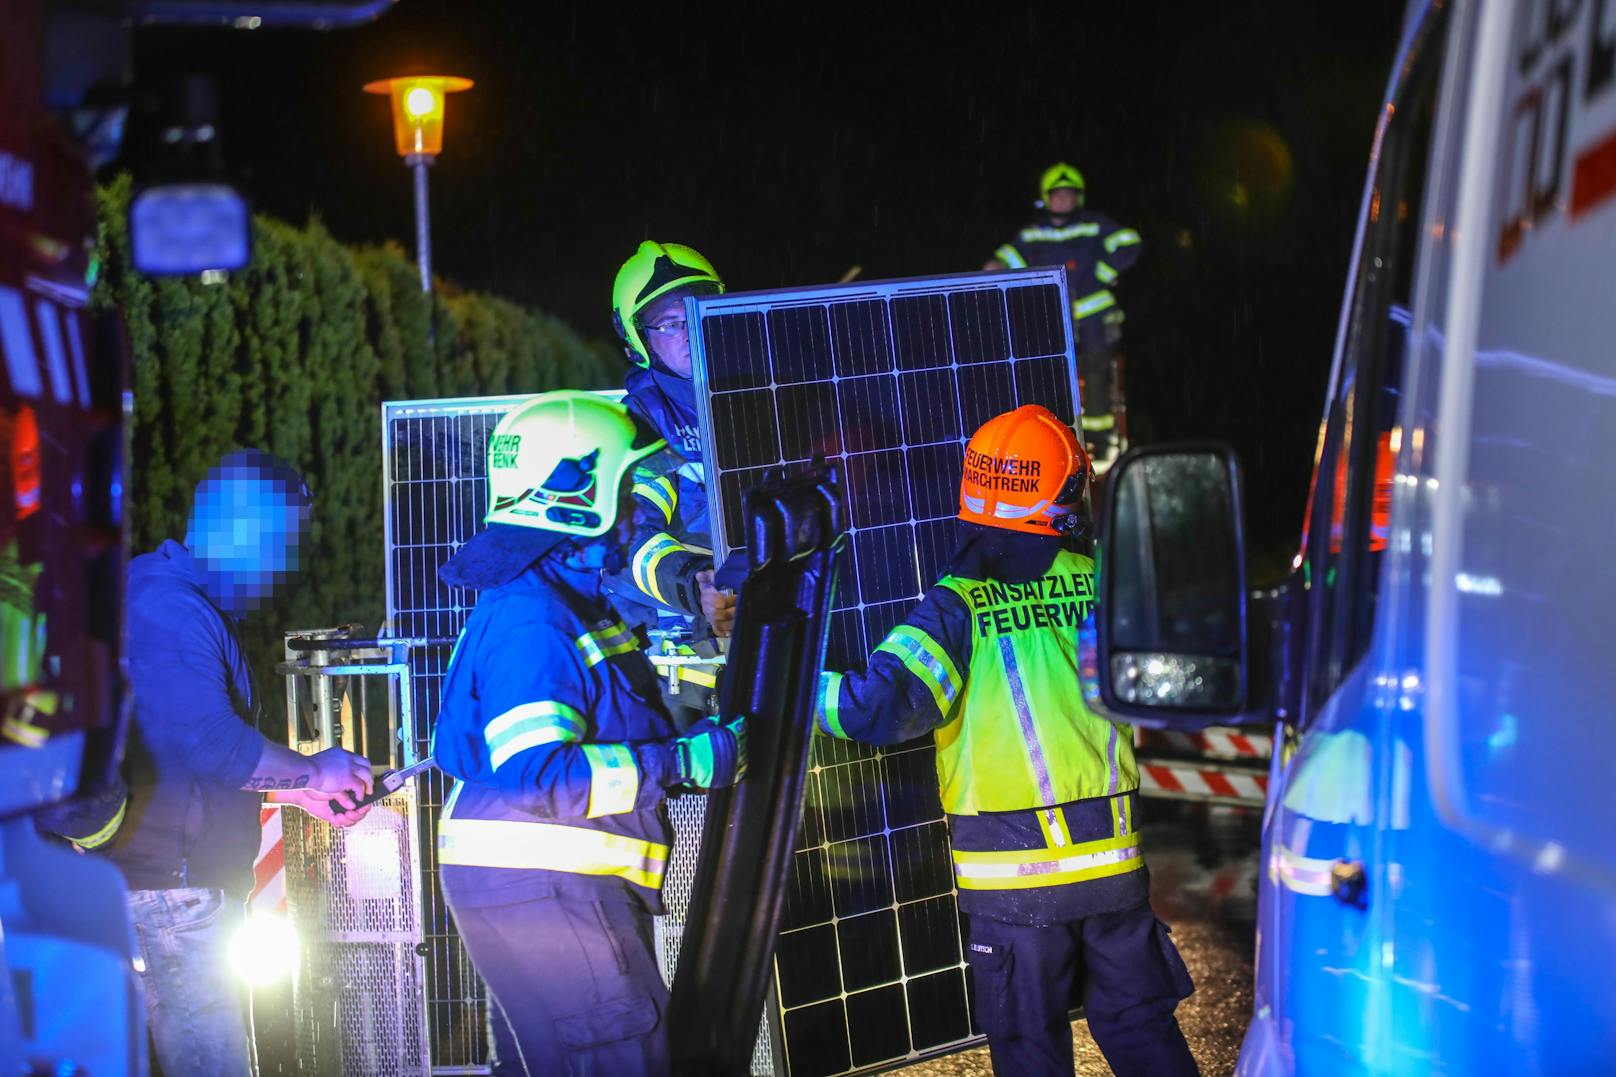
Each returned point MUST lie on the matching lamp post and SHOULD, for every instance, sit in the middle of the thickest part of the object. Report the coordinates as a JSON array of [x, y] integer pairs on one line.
[[418, 102]]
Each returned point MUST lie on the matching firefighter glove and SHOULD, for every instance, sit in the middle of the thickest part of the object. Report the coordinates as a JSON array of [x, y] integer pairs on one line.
[[712, 755]]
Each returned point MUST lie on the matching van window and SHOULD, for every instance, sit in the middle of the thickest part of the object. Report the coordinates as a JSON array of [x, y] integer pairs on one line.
[[1347, 529]]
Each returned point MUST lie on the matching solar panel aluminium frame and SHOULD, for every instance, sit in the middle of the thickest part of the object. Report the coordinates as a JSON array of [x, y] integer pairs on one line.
[[908, 764], [444, 407]]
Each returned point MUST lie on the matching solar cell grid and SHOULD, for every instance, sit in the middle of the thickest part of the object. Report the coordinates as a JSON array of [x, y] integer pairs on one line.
[[891, 378], [434, 466]]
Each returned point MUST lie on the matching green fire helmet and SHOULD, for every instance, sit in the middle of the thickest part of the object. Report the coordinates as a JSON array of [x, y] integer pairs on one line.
[[655, 270], [557, 463], [1059, 175]]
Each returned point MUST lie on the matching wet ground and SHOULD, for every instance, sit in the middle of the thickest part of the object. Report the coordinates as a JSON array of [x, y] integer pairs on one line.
[[1203, 863]]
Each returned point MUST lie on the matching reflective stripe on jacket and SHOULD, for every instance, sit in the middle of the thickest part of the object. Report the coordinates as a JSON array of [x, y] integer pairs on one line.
[[1093, 248], [552, 719]]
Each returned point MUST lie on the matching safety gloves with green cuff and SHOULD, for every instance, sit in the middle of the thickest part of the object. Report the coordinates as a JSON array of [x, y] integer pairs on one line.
[[712, 755]]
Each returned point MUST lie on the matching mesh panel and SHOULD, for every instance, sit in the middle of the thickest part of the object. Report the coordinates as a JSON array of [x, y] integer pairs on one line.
[[351, 894], [688, 812]]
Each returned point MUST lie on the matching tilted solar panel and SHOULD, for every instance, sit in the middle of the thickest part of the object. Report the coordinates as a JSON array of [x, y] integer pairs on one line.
[[892, 378]]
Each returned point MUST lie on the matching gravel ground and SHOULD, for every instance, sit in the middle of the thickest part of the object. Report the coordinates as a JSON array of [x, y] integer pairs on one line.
[[1202, 882]]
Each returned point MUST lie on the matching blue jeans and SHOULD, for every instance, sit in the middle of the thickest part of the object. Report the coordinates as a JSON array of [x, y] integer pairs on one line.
[[195, 1004]]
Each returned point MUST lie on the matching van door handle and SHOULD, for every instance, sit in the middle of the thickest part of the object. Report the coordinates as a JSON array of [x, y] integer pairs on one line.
[[1348, 882]]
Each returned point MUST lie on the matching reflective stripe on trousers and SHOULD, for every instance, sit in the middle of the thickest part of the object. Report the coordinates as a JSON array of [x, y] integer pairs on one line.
[[1093, 303], [1020, 869]]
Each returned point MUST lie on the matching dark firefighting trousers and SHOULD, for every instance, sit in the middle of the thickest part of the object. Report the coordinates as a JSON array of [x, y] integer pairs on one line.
[[576, 983], [1123, 967]]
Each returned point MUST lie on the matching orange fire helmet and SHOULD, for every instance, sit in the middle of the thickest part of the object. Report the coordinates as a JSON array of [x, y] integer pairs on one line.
[[1024, 471]]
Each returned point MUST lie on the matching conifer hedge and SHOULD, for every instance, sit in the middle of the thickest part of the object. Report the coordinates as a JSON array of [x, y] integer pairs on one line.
[[294, 355]]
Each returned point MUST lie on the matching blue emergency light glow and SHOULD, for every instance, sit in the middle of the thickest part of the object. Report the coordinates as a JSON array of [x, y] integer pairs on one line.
[[189, 229]]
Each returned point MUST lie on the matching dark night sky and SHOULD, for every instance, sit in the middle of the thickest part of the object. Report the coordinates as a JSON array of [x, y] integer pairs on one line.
[[790, 144]]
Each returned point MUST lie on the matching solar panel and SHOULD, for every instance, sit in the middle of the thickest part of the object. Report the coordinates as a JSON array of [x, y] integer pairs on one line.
[[891, 378]]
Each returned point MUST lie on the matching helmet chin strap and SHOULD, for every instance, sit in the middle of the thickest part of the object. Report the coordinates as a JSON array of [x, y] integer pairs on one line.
[[596, 554]]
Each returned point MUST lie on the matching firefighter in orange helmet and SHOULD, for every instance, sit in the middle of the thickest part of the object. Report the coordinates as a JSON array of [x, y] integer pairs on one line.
[[1041, 793]]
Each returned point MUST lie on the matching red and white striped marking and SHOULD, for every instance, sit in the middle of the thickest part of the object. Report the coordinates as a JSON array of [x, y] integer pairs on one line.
[[1214, 742], [1187, 780], [269, 869]]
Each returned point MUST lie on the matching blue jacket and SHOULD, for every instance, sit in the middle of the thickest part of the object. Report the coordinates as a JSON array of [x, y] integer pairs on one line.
[[193, 745], [673, 541], [553, 722]]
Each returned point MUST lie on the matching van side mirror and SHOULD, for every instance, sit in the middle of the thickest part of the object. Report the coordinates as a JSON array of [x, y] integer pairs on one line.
[[1172, 632]]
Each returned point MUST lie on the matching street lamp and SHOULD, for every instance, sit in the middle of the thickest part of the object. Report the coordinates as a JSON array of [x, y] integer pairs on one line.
[[418, 102]]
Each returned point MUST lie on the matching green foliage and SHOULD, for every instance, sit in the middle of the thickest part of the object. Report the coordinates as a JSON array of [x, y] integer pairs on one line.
[[294, 355]]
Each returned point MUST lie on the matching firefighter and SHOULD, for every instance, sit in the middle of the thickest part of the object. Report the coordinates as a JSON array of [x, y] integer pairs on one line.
[[1094, 249], [648, 313], [668, 581], [554, 840], [1040, 792]]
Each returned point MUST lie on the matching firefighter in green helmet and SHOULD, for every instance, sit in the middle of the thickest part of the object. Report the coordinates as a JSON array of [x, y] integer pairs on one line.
[[1095, 250], [668, 582], [554, 840]]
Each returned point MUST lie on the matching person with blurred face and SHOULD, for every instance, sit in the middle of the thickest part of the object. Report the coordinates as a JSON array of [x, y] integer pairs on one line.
[[1095, 250], [197, 768]]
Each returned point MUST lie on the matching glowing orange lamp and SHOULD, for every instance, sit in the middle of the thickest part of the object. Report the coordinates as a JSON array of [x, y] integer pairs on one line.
[[418, 102], [418, 110]]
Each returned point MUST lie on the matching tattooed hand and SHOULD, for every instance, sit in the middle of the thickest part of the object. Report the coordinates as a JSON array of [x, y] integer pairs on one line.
[[265, 785]]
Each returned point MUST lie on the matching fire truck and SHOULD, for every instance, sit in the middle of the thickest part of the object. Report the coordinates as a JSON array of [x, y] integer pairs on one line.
[[69, 1001]]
